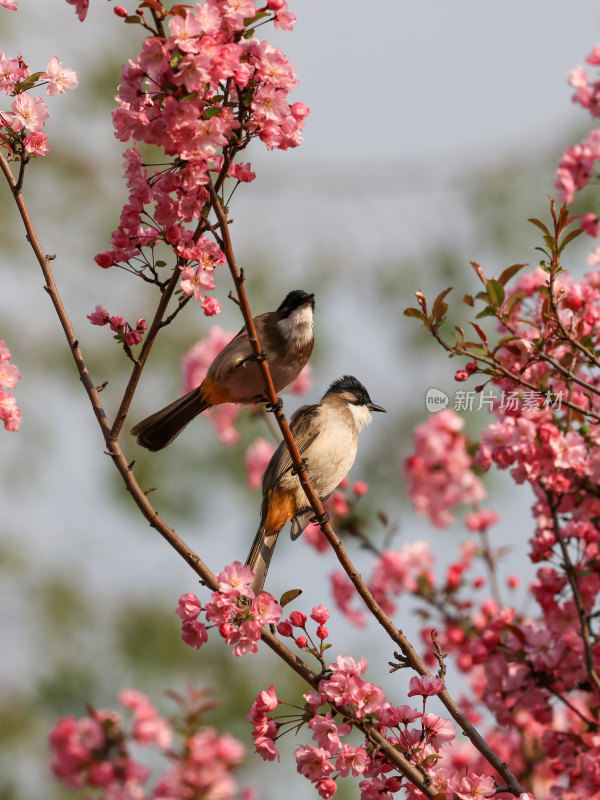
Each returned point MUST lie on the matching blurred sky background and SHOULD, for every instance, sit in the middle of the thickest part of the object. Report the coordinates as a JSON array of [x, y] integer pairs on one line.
[[434, 132]]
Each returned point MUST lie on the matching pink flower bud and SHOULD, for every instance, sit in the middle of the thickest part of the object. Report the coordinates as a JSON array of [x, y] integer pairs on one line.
[[360, 488], [301, 642], [322, 632], [284, 628], [298, 619], [104, 260], [120, 11], [320, 614], [461, 375], [300, 111]]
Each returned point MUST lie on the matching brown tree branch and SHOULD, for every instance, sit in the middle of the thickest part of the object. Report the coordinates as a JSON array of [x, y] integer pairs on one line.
[[141, 499], [397, 636]]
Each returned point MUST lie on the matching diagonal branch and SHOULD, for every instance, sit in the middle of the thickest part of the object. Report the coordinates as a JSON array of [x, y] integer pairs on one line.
[[412, 658], [140, 498]]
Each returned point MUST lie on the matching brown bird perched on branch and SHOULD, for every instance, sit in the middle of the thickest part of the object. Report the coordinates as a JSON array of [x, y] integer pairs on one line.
[[326, 435], [285, 335]]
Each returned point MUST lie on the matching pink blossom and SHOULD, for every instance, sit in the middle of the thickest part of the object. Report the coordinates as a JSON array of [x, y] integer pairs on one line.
[[474, 786], [326, 788], [99, 316], [35, 143], [367, 697], [194, 633], [439, 732], [188, 607], [9, 375], [320, 614], [425, 685], [327, 733], [303, 382], [195, 281], [344, 594], [236, 579], [9, 412], [590, 224], [11, 72], [11, 5], [360, 488], [265, 701], [81, 7], [351, 760], [245, 638], [265, 610], [313, 762], [481, 520], [28, 112], [439, 471], [221, 608], [594, 56], [60, 79], [258, 456], [211, 306]]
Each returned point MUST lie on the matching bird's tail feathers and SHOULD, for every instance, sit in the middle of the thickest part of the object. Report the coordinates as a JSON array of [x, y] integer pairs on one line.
[[260, 555], [159, 429]]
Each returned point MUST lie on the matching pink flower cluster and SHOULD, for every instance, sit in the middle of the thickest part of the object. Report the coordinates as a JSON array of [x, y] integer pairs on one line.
[[536, 672], [439, 472], [93, 752], [9, 375], [201, 94], [347, 699], [297, 619], [124, 332], [577, 166], [238, 621], [21, 127]]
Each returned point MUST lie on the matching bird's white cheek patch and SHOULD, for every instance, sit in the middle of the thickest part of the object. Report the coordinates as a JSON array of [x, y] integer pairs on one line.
[[298, 327], [361, 414]]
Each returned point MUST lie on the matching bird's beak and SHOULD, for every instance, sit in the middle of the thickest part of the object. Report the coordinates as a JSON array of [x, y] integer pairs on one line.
[[375, 407]]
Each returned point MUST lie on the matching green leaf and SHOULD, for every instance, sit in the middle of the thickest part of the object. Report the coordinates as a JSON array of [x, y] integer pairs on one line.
[[569, 238], [513, 300], [414, 312], [134, 20], [540, 225], [489, 311], [508, 273], [495, 292], [23, 86], [211, 112], [289, 596]]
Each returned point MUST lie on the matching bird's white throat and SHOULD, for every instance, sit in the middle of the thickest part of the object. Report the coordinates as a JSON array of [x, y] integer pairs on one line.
[[298, 326], [361, 414]]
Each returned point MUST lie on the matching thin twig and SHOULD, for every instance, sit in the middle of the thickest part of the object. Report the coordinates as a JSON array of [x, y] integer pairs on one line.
[[586, 634]]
